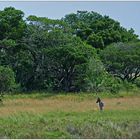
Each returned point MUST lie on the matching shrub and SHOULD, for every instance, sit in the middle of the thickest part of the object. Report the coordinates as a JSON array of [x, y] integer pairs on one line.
[[7, 79], [99, 80], [113, 84], [137, 82]]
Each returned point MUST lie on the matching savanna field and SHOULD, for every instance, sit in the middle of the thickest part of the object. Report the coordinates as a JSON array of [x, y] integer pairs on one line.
[[70, 116], [70, 61]]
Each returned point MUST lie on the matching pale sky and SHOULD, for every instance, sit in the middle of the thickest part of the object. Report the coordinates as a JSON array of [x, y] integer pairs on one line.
[[127, 13]]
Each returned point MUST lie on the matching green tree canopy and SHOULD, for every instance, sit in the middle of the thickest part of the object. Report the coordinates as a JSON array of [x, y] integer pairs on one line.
[[97, 30], [60, 55], [12, 29], [66, 66], [51, 58], [122, 60], [12, 24]]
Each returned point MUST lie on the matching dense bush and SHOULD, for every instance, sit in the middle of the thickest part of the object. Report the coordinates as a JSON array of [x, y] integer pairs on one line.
[[7, 79], [99, 80], [137, 82]]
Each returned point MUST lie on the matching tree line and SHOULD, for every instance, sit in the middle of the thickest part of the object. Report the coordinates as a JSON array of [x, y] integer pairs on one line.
[[82, 51]]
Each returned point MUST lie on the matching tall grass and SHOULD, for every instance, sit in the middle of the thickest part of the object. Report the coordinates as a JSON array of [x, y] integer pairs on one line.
[[107, 124]]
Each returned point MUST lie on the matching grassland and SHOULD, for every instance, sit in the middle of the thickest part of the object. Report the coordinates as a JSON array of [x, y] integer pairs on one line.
[[70, 116]]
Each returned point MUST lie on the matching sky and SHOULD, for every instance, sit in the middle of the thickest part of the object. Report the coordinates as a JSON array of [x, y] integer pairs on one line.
[[127, 13]]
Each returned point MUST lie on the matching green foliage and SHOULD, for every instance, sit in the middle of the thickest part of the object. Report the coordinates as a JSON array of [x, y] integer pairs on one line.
[[7, 50], [99, 80], [7, 79], [30, 60], [97, 30], [113, 84], [12, 28], [95, 75], [64, 67], [55, 55], [122, 60], [137, 82], [95, 40], [12, 24], [129, 87], [58, 61]]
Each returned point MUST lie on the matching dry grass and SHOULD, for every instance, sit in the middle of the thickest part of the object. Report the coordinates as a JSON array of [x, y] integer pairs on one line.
[[66, 104]]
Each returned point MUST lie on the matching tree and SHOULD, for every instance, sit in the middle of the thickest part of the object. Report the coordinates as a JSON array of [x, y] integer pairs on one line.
[[122, 60], [97, 30], [57, 57], [65, 66], [12, 29], [12, 24]]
